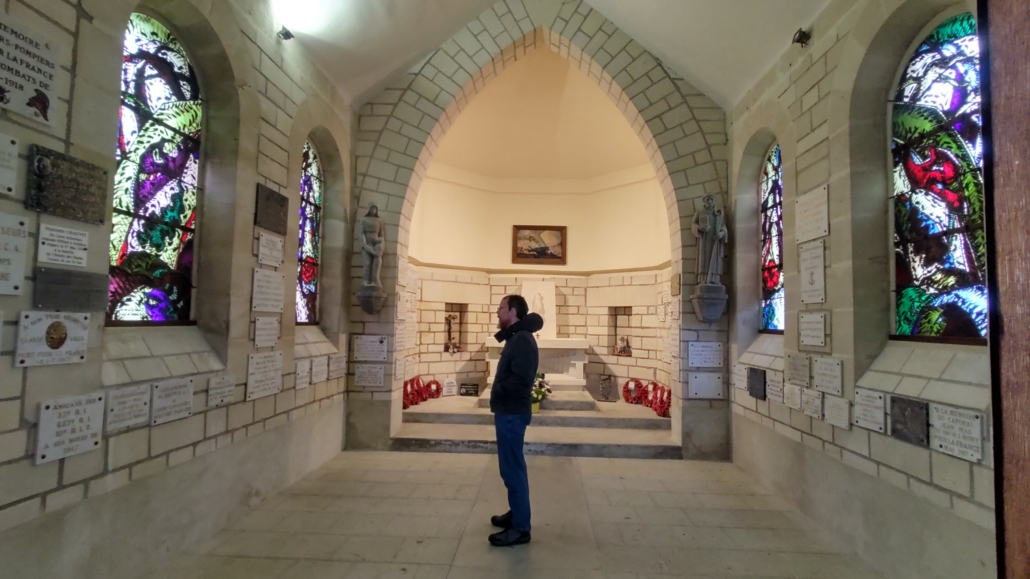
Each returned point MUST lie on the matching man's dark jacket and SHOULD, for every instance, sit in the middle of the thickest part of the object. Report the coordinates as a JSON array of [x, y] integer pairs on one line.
[[513, 383]]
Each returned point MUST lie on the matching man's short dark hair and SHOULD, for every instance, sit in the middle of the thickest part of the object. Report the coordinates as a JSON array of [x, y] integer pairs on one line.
[[519, 304]]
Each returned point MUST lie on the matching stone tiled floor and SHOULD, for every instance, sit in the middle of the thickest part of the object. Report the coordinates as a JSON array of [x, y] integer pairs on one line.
[[368, 515]]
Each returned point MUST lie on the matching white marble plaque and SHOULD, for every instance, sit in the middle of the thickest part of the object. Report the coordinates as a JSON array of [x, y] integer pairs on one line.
[[450, 387], [49, 338], [705, 355], [774, 386], [62, 246], [337, 366], [370, 348], [812, 328], [411, 367], [29, 72], [957, 432], [812, 403], [838, 411], [398, 368], [8, 165], [266, 332], [319, 369], [870, 409], [268, 291], [128, 407], [264, 374], [302, 376], [798, 368], [221, 390], [828, 375], [706, 386], [369, 374], [792, 396], [14, 239], [69, 426], [813, 272], [661, 309], [674, 309], [270, 249], [812, 215], [171, 400], [402, 305], [739, 377]]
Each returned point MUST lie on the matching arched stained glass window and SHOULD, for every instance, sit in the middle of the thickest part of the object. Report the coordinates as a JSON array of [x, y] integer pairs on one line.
[[155, 185], [312, 187], [771, 198], [939, 238]]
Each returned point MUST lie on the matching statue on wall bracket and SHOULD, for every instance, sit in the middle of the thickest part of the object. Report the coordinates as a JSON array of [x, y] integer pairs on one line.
[[709, 227], [371, 296]]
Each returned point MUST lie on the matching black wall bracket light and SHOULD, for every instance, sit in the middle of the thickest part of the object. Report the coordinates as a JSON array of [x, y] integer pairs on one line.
[[802, 37], [284, 34]]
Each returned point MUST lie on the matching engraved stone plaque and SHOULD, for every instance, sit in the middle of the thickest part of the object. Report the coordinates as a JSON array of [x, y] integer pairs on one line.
[[171, 400], [48, 338], [268, 291], [62, 246], [706, 386], [398, 369], [270, 249], [369, 374], [957, 432], [812, 215], [739, 377], [705, 355], [319, 369], [812, 403], [910, 421], [792, 396], [14, 239], [69, 426], [813, 272], [128, 407], [870, 409], [774, 386], [69, 290], [264, 374], [67, 187], [337, 365], [303, 373], [272, 210], [838, 411], [827, 375], [370, 348], [798, 369], [266, 332], [29, 73], [411, 366], [8, 165], [221, 390], [812, 328], [450, 387], [756, 383]]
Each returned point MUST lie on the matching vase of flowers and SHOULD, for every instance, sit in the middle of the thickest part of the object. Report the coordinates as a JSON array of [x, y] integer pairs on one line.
[[541, 390]]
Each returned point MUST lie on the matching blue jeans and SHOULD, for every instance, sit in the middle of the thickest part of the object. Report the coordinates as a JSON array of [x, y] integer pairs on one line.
[[511, 433]]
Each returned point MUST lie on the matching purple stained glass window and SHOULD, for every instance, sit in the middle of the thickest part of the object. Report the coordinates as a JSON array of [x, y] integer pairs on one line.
[[155, 184], [312, 186], [771, 209]]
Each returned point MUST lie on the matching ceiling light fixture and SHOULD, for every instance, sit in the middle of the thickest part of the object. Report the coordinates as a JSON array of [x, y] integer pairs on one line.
[[284, 34], [801, 37]]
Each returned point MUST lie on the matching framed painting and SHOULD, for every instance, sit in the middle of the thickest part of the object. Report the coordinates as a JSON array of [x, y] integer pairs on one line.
[[539, 244]]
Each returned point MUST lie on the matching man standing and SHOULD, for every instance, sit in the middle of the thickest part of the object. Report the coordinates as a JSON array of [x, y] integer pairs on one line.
[[511, 401]]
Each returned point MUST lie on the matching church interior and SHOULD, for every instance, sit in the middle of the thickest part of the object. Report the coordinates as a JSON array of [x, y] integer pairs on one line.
[[760, 234]]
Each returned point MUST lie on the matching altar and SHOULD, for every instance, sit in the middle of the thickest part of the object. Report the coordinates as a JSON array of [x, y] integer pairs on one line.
[[562, 360]]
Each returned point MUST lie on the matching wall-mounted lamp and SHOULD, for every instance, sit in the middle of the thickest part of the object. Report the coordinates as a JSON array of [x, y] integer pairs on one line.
[[284, 34], [801, 37]]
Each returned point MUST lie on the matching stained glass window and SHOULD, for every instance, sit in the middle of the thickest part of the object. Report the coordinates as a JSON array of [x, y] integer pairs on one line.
[[937, 147], [155, 185], [771, 197], [312, 187]]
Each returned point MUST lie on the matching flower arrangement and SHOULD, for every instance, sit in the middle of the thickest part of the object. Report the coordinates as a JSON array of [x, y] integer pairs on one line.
[[541, 390]]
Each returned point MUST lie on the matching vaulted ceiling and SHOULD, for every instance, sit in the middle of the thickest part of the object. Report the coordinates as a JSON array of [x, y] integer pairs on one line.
[[721, 46]]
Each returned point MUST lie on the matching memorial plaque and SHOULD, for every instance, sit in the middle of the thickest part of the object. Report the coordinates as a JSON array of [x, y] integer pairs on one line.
[[128, 407], [792, 396], [302, 378], [398, 368], [706, 386], [171, 400], [812, 215], [812, 328], [910, 421], [450, 387], [69, 290], [838, 411], [264, 374], [674, 309], [756, 383], [270, 249], [273, 210], [14, 239], [870, 409], [337, 366], [8, 165], [812, 403], [266, 332], [268, 291], [813, 272], [798, 369], [69, 426], [369, 374], [62, 246], [705, 355], [739, 377], [67, 187], [29, 73], [49, 338], [660, 310], [828, 375], [411, 366], [319, 369], [221, 390], [370, 348], [774, 386], [957, 432]]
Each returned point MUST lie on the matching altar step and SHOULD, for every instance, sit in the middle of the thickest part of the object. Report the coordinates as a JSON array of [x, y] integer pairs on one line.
[[558, 400], [607, 415]]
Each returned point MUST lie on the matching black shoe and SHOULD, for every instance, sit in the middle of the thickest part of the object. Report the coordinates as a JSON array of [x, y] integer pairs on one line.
[[502, 521], [509, 537]]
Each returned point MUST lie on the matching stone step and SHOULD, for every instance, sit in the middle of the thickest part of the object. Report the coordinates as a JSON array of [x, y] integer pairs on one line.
[[558, 400], [555, 418], [540, 440]]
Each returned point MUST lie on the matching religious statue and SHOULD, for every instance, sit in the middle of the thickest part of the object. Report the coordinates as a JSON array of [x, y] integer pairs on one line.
[[709, 227], [373, 241]]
